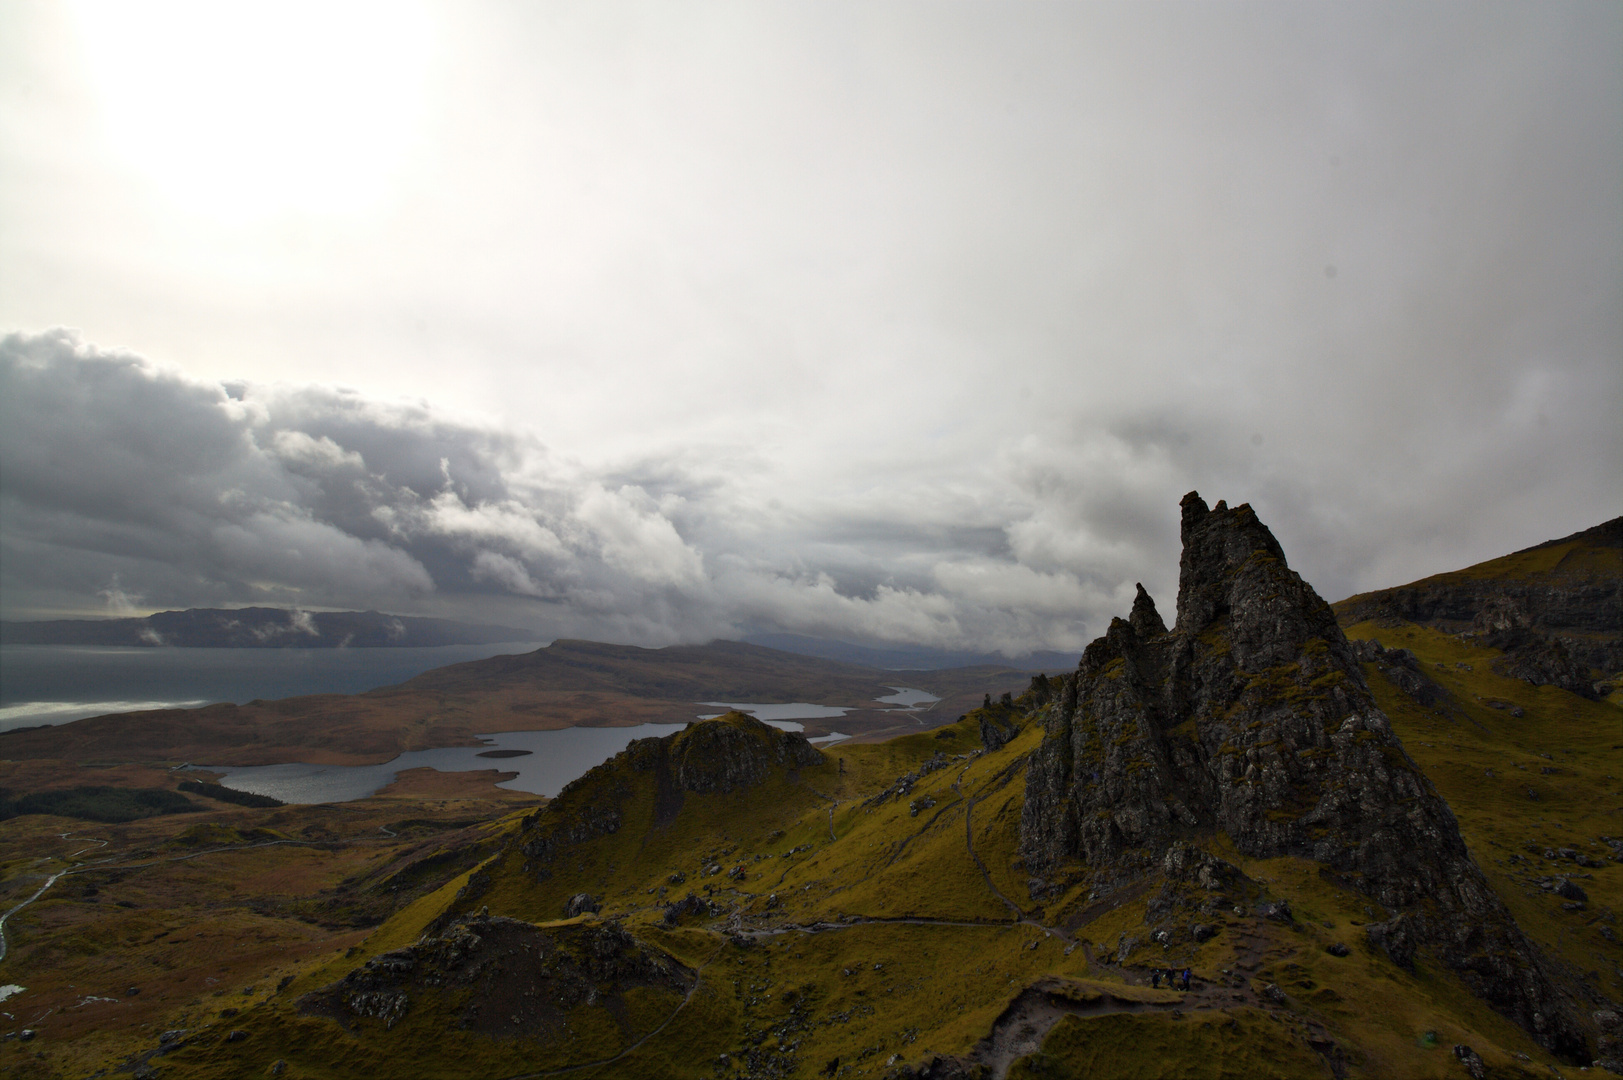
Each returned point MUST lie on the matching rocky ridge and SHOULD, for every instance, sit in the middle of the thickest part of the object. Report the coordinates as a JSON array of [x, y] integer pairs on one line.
[[1555, 609], [510, 978], [1251, 718]]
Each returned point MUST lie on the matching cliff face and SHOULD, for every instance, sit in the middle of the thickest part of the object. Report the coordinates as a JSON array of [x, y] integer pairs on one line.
[[1565, 584], [1556, 609], [1251, 717]]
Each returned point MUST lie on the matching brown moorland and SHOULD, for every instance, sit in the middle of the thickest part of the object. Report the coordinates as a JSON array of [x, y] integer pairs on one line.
[[566, 684], [183, 919]]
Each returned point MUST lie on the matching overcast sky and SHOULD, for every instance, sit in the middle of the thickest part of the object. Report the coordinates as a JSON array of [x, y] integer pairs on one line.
[[895, 323]]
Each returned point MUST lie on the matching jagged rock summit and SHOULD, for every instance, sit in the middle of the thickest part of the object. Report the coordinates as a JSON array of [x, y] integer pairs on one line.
[[1251, 718]]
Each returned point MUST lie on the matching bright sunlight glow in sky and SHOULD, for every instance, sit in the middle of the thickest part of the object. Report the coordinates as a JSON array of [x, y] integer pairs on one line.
[[246, 110], [899, 323]]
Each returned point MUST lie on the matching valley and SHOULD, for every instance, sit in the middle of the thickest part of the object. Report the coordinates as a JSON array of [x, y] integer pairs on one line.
[[989, 896]]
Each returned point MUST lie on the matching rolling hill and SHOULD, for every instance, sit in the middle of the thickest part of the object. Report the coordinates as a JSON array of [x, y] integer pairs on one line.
[[1365, 875]]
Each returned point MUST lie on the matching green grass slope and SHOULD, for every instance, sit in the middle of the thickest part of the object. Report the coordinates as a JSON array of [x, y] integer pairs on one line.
[[867, 914]]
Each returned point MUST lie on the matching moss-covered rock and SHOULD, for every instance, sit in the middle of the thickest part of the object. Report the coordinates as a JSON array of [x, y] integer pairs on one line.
[[1251, 718]]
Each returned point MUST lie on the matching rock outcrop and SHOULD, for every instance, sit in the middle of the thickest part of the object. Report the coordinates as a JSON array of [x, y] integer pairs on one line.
[[1402, 670], [526, 979], [1251, 717], [709, 757], [998, 726]]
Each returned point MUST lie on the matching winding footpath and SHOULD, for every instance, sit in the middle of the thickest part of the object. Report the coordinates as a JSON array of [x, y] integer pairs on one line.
[[4, 948], [37, 894]]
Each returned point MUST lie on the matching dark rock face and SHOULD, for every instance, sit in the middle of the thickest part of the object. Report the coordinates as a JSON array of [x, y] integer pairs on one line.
[[1145, 620], [590, 819], [1530, 655], [526, 979], [1401, 669], [1610, 1043], [1398, 938], [1554, 626], [996, 729], [1545, 662], [1251, 717]]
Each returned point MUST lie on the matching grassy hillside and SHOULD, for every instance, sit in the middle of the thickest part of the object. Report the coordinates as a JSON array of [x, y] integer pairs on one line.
[[1535, 776], [726, 902], [177, 921], [868, 913]]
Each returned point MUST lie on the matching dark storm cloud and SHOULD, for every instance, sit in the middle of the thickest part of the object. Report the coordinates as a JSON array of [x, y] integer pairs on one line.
[[129, 486], [188, 490], [126, 485]]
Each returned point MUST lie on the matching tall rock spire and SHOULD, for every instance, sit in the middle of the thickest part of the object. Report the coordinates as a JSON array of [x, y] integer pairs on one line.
[[1287, 754], [1145, 620]]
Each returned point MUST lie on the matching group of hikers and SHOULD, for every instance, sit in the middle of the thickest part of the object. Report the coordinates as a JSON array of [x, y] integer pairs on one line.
[[1175, 979]]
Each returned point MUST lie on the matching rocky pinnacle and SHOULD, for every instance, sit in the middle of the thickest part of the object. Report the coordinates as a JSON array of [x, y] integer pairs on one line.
[[1251, 717]]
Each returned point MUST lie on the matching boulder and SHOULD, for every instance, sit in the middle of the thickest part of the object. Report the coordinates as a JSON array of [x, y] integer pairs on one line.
[[581, 904], [1398, 938], [1568, 890], [1472, 1062]]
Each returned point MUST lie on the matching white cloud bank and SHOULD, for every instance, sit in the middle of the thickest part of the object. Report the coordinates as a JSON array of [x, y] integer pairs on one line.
[[127, 482]]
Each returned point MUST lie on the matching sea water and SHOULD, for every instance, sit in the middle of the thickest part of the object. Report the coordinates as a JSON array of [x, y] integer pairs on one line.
[[549, 760], [56, 684]]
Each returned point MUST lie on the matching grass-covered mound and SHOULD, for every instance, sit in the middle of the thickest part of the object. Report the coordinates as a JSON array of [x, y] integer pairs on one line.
[[97, 803]]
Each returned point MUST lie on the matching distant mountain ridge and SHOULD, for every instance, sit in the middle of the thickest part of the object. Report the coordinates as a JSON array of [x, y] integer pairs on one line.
[[717, 670], [566, 684], [907, 657], [261, 628]]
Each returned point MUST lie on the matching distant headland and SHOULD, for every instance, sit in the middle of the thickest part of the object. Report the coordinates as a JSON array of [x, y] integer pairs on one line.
[[261, 628]]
